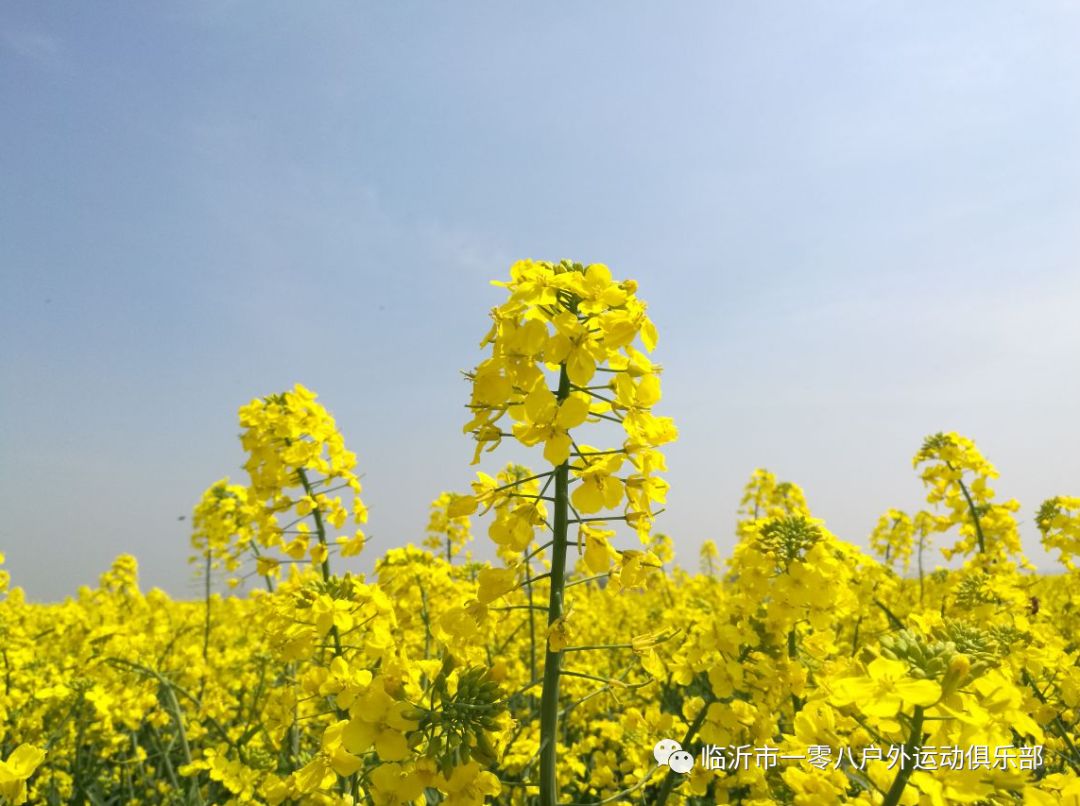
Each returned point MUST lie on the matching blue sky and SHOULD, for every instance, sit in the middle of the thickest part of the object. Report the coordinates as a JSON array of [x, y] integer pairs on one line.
[[855, 224]]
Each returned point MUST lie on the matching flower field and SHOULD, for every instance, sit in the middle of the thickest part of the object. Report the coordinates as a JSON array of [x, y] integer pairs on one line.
[[582, 664]]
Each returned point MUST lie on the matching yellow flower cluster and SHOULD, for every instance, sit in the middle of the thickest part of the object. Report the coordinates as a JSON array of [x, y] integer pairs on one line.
[[578, 322], [449, 528], [297, 459], [550, 674], [958, 477], [223, 525], [803, 644]]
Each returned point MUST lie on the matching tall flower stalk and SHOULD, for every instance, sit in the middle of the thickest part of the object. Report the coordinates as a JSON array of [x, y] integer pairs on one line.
[[574, 327]]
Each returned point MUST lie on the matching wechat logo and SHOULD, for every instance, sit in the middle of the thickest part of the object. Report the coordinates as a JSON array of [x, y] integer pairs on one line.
[[669, 753]]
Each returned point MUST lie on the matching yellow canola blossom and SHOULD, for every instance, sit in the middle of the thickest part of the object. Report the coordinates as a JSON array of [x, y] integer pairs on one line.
[[16, 769], [293, 678]]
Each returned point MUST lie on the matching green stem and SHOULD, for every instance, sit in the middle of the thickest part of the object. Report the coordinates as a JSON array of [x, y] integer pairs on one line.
[[266, 577], [178, 720], [583, 580], [610, 681], [549, 697], [670, 778], [206, 627], [320, 532], [163, 754], [426, 617], [892, 797], [1062, 731], [893, 620], [320, 527], [346, 784], [922, 588], [536, 551], [793, 654], [974, 513], [532, 632], [521, 481]]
